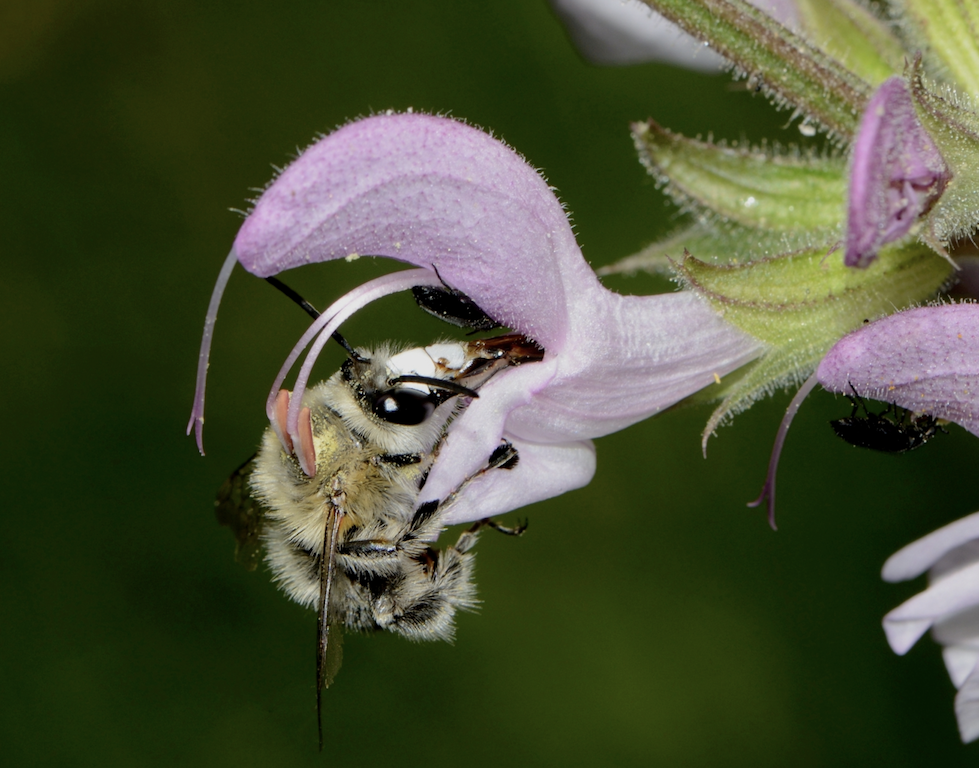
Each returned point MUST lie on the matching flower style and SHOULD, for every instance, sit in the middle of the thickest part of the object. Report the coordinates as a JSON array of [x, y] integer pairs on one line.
[[949, 607], [469, 213]]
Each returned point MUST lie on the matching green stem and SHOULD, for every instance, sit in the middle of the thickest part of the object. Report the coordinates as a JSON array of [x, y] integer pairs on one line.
[[775, 60]]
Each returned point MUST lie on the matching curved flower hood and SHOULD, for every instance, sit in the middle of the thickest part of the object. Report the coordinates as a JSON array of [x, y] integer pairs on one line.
[[469, 212], [925, 359]]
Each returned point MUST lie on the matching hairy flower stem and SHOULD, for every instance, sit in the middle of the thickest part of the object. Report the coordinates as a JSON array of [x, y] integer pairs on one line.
[[776, 60]]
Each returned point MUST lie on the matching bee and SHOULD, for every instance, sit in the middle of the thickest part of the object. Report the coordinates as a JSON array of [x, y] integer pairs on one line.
[[349, 541], [894, 430]]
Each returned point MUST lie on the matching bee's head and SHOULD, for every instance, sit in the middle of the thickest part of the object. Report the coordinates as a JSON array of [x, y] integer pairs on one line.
[[401, 401]]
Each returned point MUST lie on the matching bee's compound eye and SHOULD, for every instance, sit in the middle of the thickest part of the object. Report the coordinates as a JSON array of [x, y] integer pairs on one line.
[[404, 406]]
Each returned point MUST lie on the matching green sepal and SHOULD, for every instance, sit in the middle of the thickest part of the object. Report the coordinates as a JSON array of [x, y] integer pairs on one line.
[[848, 31], [946, 29], [953, 125], [754, 187], [775, 60], [717, 242], [801, 304]]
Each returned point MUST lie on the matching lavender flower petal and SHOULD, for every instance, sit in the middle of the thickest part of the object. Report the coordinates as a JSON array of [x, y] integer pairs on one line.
[[896, 176], [925, 359], [435, 193], [542, 472]]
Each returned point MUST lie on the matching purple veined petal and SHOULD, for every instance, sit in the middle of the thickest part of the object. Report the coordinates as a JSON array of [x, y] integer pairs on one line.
[[925, 359], [910, 620], [435, 193], [628, 32], [626, 358], [476, 433], [916, 558], [896, 174], [542, 472]]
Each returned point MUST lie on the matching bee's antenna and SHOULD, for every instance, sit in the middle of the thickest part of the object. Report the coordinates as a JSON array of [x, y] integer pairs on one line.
[[449, 386], [314, 313]]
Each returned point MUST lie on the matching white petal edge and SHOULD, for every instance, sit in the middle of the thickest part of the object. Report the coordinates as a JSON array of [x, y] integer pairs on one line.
[[617, 32], [542, 472], [916, 558], [628, 32], [910, 620]]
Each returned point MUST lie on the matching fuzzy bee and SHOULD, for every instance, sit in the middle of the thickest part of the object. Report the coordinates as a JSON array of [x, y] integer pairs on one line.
[[348, 540]]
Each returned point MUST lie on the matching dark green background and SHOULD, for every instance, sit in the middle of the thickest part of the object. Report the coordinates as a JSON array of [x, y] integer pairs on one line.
[[650, 619]]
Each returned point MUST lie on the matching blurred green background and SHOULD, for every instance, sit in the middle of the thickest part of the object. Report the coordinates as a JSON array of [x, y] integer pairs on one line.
[[649, 619]]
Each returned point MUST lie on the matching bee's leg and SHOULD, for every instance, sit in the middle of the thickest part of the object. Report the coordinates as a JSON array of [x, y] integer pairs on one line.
[[516, 530], [468, 538], [369, 548], [505, 456]]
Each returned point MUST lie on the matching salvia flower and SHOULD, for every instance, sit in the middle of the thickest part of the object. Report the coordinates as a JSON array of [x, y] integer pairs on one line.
[[949, 607], [470, 214], [924, 359], [896, 175]]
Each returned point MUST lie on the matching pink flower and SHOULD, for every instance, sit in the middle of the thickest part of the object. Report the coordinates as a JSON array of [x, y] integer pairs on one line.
[[469, 212], [896, 176], [949, 607], [925, 360]]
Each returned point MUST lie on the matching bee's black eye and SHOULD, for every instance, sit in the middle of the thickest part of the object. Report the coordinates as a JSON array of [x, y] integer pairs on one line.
[[404, 406]]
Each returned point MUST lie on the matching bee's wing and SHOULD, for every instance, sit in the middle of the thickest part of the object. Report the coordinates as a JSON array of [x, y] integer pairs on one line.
[[236, 508], [329, 647]]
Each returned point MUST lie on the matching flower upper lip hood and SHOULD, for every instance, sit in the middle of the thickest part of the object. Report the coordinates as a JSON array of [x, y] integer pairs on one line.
[[924, 359], [470, 212]]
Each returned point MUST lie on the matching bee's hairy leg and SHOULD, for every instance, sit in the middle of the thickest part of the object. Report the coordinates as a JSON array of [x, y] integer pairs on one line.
[[468, 538], [368, 548], [516, 530], [504, 456]]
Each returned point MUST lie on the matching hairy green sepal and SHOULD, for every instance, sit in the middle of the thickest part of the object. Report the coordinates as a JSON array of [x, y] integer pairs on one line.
[[755, 188], [953, 125], [775, 60], [801, 304], [848, 31], [947, 30]]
